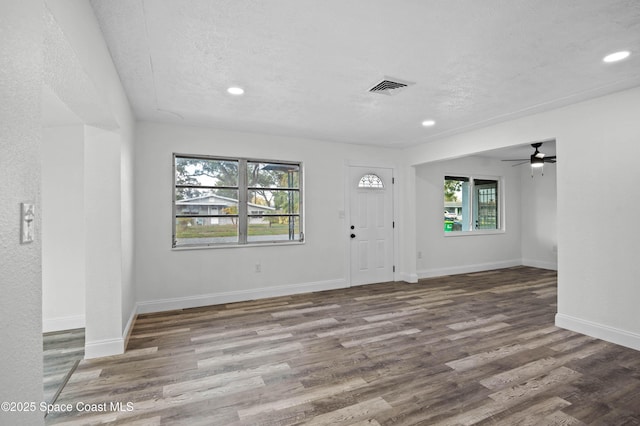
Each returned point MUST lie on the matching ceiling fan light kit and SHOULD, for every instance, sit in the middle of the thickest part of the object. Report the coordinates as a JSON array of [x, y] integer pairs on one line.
[[537, 159]]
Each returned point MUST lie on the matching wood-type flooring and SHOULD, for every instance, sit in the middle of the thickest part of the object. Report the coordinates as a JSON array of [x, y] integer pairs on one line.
[[469, 349], [61, 350]]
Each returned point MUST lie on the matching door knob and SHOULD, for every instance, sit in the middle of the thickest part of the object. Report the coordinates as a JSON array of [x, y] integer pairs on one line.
[[353, 235]]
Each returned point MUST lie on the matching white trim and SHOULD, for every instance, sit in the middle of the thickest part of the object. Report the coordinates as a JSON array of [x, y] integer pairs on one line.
[[62, 323], [160, 305], [129, 327], [466, 269], [502, 217], [600, 331], [410, 278], [540, 264], [473, 233], [347, 220], [109, 347], [234, 245], [101, 348]]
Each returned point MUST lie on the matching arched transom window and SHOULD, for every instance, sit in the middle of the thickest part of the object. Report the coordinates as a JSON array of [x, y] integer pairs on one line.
[[370, 181]]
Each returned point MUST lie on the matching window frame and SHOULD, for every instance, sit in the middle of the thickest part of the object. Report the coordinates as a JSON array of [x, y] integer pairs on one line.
[[244, 213], [500, 208]]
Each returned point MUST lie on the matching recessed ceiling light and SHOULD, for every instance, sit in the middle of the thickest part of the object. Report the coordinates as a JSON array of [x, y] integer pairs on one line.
[[235, 90], [428, 123], [617, 56]]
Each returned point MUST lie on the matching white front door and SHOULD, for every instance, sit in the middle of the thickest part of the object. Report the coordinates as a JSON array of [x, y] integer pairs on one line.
[[371, 224]]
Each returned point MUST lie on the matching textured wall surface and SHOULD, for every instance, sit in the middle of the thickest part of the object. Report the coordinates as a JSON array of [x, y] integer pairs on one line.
[[20, 270]]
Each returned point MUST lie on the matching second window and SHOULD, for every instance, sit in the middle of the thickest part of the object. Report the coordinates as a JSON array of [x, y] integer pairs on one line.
[[471, 204]]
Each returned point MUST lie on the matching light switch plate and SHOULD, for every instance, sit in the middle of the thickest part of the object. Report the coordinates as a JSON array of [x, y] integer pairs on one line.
[[27, 221]]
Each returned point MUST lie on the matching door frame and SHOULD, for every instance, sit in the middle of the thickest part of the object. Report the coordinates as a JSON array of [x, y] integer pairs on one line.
[[345, 215]]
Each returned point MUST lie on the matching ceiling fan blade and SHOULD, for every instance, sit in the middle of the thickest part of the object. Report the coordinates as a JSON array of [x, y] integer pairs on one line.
[[550, 159], [519, 164], [519, 159]]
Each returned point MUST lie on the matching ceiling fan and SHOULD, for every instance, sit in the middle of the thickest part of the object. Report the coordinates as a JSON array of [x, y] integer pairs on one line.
[[537, 159]]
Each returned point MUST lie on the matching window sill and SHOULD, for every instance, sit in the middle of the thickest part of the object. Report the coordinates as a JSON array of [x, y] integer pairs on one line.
[[474, 233], [234, 246]]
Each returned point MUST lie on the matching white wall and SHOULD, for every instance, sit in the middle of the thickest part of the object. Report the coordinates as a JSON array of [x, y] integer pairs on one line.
[[597, 146], [103, 242], [102, 104], [20, 265], [597, 254], [439, 253], [539, 217], [127, 202], [169, 278], [63, 258]]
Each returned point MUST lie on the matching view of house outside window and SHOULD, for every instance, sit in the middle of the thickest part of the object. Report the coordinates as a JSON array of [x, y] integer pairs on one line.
[[470, 204], [223, 201]]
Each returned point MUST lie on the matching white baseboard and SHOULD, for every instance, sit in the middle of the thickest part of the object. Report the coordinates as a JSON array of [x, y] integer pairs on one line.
[[129, 327], [100, 348], [540, 264], [466, 269], [410, 278], [160, 305], [600, 331], [109, 347], [62, 323]]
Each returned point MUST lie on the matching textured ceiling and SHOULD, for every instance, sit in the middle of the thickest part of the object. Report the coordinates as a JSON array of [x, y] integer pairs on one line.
[[522, 151], [306, 65]]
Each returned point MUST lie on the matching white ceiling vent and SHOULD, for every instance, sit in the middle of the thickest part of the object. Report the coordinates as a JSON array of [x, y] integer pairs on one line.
[[390, 86]]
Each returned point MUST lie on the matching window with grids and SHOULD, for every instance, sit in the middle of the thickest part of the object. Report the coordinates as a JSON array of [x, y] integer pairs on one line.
[[471, 204], [235, 201]]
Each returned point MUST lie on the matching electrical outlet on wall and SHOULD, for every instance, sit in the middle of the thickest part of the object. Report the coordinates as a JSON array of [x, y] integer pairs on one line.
[[419, 255], [258, 267]]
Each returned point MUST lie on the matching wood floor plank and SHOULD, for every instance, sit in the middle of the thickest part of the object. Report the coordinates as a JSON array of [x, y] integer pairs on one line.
[[198, 394], [355, 329], [477, 322], [321, 323], [560, 375], [536, 414], [353, 414], [478, 348], [243, 356], [476, 331], [308, 396], [210, 381], [519, 374], [559, 418], [379, 338], [397, 314], [302, 311], [212, 347]]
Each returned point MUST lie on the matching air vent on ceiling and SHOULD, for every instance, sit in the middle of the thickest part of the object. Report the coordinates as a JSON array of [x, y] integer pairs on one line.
[[390, 86]]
